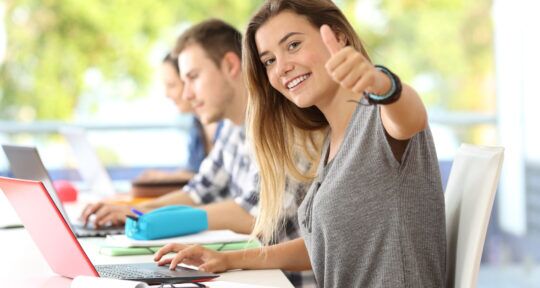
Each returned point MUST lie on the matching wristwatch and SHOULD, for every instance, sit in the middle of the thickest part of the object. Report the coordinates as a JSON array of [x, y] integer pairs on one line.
[[392, 95]]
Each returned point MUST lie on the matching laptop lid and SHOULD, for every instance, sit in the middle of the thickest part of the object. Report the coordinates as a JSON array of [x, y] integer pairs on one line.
[[64, 254], [90, 166], [25, 163], [47, 227]]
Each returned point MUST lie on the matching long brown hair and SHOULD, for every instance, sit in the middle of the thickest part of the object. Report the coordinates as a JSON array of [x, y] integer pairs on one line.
[[282, 132]]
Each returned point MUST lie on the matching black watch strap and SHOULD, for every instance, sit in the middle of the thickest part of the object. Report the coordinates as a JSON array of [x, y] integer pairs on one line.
[[392, 95]]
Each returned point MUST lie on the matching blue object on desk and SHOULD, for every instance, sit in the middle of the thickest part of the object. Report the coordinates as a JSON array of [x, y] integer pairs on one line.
[[137, 212], [166, 222]]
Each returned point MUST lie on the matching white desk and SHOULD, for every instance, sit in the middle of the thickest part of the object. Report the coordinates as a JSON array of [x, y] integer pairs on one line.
[[21, 264]]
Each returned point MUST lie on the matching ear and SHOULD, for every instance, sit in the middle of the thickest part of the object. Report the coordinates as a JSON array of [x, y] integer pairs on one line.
[[231, 64]]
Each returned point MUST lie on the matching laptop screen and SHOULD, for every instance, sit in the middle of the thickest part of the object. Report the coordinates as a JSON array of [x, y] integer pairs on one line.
[[25, 163], [90, 166]]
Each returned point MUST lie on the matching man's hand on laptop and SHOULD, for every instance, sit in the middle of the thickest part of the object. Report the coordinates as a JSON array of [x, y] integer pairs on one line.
[[106, 214]]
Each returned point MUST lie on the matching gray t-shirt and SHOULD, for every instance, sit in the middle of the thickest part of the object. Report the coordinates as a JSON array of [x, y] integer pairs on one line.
[[371, 221]]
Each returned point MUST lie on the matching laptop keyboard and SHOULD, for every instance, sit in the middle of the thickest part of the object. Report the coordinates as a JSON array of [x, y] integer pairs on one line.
[[124, 271], [82, 231]]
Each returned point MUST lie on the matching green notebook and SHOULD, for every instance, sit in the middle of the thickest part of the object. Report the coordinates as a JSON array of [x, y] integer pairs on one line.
[[122, 251]]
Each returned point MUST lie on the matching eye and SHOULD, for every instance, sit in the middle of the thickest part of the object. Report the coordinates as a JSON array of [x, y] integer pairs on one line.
[[268, 62], [192, 76], [293, 45]]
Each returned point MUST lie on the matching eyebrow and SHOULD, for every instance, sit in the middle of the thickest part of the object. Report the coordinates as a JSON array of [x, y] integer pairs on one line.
[[287, 36], [189, 73]]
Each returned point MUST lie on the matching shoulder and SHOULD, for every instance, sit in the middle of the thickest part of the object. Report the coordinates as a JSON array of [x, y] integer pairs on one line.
[[228, 132]]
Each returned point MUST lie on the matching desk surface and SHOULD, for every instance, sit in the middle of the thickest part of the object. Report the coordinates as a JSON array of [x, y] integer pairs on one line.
[[21, 264]]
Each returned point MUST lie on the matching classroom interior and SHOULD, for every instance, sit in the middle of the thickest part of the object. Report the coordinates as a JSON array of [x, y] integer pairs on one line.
[[474, 64]]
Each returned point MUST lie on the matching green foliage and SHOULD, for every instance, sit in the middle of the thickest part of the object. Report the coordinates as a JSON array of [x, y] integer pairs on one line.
[[449, 41], [53, 43]]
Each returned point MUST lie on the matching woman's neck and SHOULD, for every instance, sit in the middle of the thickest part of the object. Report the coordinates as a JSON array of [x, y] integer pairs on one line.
[[338, 111]]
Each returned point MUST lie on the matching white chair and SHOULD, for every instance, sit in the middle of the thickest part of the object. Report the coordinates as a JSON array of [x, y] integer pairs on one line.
[[469, 198]]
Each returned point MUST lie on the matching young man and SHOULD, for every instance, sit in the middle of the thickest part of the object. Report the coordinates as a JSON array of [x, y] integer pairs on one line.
[[201, 137], [226, 186]]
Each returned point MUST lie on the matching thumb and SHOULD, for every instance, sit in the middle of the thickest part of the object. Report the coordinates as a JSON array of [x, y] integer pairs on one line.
[[329, 39]]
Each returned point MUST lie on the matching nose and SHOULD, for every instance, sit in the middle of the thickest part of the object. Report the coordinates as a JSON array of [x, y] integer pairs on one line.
[[168, 93], [284, 66], [167, 88], [187, 93]]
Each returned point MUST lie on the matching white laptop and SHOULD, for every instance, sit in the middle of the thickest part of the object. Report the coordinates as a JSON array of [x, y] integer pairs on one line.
[[90, 167]]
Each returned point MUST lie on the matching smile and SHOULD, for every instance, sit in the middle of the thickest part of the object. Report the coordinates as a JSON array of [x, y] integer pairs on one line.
[[296, 81]]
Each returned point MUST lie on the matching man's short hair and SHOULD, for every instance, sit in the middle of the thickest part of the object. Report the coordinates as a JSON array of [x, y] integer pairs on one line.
[[215, 37]]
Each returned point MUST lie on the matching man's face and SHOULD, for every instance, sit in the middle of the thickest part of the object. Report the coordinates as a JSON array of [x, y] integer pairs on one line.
[[205, 85]]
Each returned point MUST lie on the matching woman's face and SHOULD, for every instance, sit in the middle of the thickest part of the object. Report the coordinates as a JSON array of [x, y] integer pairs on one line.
[[294, 55], [174, 87]]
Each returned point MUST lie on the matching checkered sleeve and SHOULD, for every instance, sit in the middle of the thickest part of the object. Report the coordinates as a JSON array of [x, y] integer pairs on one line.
[[249, 199], [293, 197], [210, 184]]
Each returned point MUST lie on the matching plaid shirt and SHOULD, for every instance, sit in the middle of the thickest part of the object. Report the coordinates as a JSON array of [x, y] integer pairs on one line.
[[229, 173]]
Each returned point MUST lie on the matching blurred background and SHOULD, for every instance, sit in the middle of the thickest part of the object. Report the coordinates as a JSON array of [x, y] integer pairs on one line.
[[94, 65]]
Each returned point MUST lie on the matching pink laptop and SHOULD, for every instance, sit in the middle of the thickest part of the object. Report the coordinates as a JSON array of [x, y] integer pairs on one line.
[[60, 247]]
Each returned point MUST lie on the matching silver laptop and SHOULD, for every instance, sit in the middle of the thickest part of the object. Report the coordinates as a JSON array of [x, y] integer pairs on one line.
[[92, 171], [25, 163]]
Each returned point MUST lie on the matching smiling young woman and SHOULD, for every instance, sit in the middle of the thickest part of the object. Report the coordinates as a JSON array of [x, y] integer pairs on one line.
[[376, 205], [374, 215]]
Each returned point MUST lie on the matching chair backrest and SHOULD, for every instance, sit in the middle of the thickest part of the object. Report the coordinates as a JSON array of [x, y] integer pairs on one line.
[[469, 198]]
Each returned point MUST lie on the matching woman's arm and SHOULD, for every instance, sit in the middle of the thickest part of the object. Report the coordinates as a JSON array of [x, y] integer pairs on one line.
[[291, 256], [405, 117], [349, 67]]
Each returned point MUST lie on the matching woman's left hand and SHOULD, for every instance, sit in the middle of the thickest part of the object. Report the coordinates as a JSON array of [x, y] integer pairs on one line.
[[351, 69], [194, 255]]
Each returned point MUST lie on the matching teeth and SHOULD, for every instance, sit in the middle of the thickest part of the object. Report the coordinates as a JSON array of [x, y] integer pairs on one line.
[[297, 81]]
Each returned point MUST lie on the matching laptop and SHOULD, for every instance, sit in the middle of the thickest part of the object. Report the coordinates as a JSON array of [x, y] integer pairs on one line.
[[25, 163], [92, 171], [64, 254]]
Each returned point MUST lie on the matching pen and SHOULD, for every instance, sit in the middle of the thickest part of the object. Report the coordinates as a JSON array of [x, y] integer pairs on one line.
[[13, 226], [137, 212]]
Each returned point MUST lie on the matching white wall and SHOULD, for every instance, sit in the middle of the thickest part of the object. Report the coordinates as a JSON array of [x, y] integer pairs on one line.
[[517, 45]]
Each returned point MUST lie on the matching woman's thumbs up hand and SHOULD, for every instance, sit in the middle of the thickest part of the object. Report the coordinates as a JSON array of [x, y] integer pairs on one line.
[[350, 68]]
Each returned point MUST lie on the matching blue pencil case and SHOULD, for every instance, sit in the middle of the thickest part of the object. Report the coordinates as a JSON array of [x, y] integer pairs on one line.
[[166, 222]]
